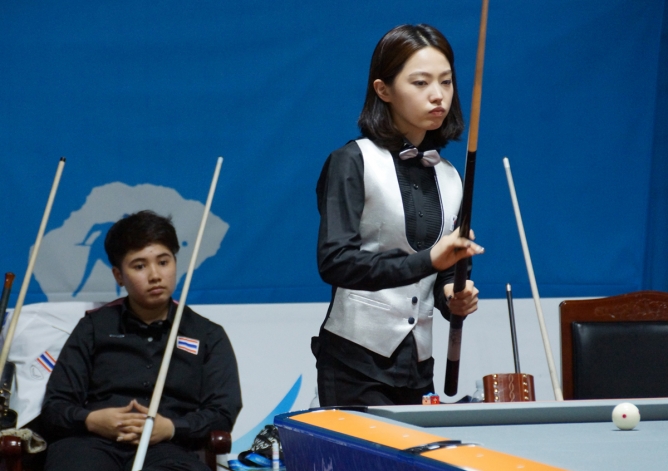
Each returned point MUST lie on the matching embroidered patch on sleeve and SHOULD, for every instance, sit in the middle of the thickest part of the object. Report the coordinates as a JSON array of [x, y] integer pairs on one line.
[[188, 344], [47, 361]]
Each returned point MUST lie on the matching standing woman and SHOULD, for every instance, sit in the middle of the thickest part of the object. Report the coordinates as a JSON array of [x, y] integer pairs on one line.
[[388, 206]]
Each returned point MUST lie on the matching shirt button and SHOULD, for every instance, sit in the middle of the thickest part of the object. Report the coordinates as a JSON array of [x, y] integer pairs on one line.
[[411, 320], [150, 339], [146, 385], [420, 214], [149, 366], [419, 244], [415, 185], [414, 300]]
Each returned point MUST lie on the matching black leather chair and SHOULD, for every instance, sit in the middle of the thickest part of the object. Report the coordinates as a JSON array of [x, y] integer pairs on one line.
[[615, 347]]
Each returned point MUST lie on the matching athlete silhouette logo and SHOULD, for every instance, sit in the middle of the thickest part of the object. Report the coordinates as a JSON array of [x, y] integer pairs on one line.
[[95, 240], [77, 246]]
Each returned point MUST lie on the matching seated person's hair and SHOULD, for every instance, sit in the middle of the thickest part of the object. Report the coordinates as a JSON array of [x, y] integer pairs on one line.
[[139, 230]]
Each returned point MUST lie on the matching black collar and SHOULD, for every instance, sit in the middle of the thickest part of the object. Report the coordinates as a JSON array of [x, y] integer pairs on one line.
[[131, 323]]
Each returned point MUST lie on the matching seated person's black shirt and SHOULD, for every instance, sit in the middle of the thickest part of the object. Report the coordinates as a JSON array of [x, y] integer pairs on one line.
[[112, 357]]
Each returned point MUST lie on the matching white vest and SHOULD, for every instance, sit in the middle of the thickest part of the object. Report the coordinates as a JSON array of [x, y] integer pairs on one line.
[[379, 320]]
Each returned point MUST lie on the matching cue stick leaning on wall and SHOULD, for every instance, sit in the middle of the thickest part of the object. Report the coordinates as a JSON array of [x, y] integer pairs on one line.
[[164, 366], [558, 395], [4, 300], [461, 268], [8, 417], [513, 331], [31, 266]]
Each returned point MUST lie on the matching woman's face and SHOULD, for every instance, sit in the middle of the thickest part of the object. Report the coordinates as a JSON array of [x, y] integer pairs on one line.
[[421, 94]]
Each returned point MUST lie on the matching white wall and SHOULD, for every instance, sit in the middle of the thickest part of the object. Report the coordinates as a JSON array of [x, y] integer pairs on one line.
[[272, 346]]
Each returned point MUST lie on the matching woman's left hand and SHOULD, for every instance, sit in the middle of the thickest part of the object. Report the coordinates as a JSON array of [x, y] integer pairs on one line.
[[463, 303]]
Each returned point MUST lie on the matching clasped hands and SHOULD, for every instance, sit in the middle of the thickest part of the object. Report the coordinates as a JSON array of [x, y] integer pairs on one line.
[[125, 424]]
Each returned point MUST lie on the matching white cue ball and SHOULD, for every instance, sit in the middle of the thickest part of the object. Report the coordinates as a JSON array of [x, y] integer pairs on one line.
[[625, 416]]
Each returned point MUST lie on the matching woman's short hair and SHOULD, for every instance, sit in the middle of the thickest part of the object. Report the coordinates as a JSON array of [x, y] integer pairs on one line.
[[388, 59], [136, 231]]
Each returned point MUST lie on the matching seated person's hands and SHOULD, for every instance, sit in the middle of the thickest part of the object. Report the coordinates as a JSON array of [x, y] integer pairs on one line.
[[125, 424], [463, 303], [163, 428], [109, 422], [452, 248]]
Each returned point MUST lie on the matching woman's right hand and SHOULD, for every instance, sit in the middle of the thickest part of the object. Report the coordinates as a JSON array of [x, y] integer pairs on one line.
[[452, 248]]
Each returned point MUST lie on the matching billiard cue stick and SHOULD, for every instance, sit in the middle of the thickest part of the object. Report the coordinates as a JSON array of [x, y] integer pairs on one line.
[[164, 366], [513, 331], [31, 265], [461, 267], [558, 395], [4, 299], [7, 420]]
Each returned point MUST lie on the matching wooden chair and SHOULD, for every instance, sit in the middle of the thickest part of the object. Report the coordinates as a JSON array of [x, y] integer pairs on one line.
[[615, 347], [11, 450]]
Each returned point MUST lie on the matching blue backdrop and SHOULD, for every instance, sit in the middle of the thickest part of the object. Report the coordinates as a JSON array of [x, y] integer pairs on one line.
[[142, 92]]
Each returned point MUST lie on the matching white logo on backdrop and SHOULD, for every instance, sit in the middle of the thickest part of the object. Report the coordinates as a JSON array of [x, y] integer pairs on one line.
[[325, 467], [72, 264]]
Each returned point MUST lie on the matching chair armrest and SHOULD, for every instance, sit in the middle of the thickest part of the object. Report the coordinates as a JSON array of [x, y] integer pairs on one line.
[[10, 445], [220, 443], [11, 450]]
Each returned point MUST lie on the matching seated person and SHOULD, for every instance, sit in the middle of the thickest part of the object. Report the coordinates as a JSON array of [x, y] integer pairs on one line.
[[98, 395]]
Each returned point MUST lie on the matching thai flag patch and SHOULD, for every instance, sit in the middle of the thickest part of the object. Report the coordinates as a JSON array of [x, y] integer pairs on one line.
[[188, 344], [47, 361]]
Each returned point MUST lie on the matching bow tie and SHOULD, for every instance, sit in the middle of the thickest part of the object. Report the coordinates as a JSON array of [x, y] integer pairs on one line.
[[429, 158]]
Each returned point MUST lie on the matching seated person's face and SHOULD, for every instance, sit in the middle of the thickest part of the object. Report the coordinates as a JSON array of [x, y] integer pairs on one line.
[[149, 276]]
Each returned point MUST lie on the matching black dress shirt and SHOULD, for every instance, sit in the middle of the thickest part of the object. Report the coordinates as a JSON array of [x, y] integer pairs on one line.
[[112, 357], [342, 263]]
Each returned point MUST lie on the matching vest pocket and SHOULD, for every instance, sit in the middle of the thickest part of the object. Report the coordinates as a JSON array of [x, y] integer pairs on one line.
[[369, 302]]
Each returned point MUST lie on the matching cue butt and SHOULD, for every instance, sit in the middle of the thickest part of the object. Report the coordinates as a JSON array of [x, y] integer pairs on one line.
[[454, 352]]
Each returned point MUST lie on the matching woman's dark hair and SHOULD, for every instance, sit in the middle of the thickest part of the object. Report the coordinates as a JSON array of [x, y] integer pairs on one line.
[[136, 231], [389, 57]]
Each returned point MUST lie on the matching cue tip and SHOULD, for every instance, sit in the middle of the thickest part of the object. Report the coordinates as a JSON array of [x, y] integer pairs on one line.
[[506, 162]]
